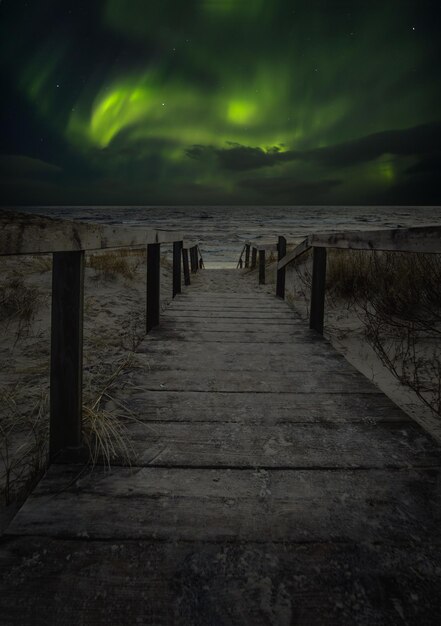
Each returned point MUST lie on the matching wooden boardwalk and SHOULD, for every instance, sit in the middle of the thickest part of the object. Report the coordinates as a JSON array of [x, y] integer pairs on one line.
[[271, 483]]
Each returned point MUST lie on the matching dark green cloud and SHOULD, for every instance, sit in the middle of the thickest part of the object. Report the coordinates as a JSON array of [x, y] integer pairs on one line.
[[221, 100]]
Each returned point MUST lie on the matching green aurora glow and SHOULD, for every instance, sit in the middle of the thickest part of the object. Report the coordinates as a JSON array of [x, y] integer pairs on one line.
[[220, 101]]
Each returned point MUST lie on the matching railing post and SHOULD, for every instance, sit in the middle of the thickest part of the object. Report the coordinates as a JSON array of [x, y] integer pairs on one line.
[[261, 267], [200, 259], [66, 375], [193, 260], [247, 255], [317, 311], [280, 286], [186, 266], [177, 247], [253, 258], [153, 285]]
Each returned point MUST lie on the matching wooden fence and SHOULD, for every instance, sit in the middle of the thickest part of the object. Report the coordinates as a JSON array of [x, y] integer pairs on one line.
[[67, 241], [418, 239]]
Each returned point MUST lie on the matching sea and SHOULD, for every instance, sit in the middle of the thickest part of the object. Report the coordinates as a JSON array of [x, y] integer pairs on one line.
[[223, 230]]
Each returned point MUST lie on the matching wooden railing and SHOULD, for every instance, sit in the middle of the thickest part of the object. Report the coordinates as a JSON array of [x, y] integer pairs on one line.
[[67, 241], [255, 249], [422, 239]]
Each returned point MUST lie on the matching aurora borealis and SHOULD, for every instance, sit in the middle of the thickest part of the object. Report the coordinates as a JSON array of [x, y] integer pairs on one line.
[[220, 102]]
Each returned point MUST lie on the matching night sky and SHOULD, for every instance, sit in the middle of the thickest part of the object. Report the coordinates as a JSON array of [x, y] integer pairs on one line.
[[220, 102]]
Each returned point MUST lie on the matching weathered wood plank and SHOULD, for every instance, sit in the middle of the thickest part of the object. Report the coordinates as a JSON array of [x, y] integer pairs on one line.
[[26, 233], [253, 257], [181, 583], [299, 350], [294, 445], [201, 504], [177, 267], [153, 285], [238, 358], [318, 289], [66, 372], [278, 326], [166, 332], [303, 247], [425, 239], [247, 255], [227, 336], [194, 265], [186, 266], [280, 283], [285, 407], [238, 314], [249, 381], [261, 267]]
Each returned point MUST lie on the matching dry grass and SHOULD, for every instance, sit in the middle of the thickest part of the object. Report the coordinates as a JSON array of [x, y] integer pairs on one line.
[[122, 262], [23, 442], [348, 273], [397, 297], [18, 303], [42, 263], [105, 431]]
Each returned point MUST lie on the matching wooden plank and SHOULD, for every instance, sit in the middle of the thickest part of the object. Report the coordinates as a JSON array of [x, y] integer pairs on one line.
[[318, 289], [251, 381], [424, 239], [294, 445], [293, 353], [26, 233], [253, 257], [186, 266], [177, 274], [194, 259], [237, 361], [247, 255], [197, 309], [303, 247], [239, 324], [279, 329], [296, 354], [200, 504], [153, 285], [199, 583], [280, 283], [200, 258], [284, 407], [226, 336], [261, 267], [237, 314], [66, 372]]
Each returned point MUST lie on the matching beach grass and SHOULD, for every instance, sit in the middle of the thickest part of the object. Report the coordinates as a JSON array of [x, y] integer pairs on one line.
[[396, 298]]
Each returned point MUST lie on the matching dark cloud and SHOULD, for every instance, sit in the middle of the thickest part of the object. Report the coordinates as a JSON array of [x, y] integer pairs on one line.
[[417, 141], [241, 158], [19, 167], [429, 165], [294, 191]]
